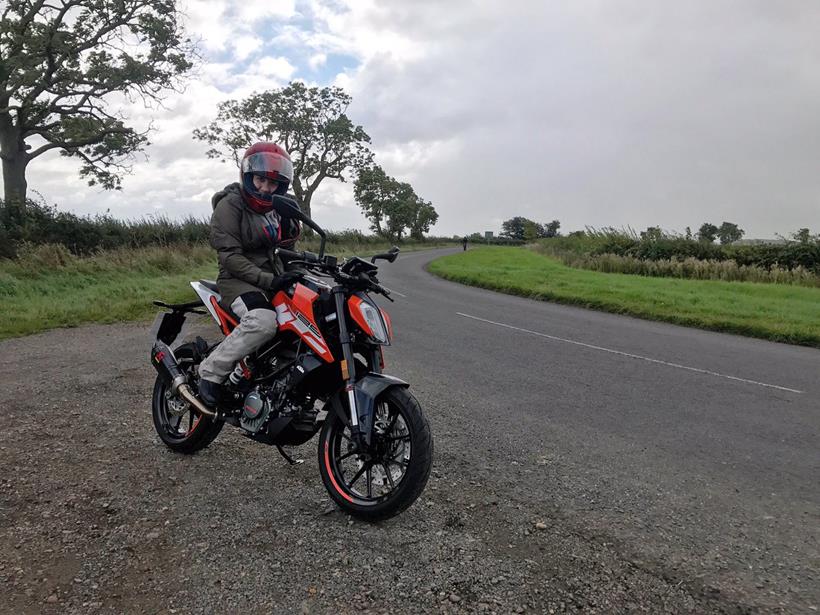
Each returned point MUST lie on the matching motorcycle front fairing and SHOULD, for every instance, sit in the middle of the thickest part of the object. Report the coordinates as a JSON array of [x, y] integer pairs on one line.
[[296, 314]]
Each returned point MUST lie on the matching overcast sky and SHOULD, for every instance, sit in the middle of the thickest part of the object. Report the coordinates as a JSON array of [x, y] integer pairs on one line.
[[602, 113]]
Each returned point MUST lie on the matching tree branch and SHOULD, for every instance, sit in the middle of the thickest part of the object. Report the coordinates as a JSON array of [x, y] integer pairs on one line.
[[73, 145], [51, 63]]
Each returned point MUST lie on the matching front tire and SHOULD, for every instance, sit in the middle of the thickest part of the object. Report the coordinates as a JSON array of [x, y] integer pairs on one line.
[[390, 477]]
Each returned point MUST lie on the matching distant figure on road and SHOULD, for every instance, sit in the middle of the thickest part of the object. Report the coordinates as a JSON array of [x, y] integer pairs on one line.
[[464, 244]]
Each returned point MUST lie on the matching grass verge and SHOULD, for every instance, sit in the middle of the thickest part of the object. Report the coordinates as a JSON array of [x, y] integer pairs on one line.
[[48, 287], [775, 312], [65, 291]]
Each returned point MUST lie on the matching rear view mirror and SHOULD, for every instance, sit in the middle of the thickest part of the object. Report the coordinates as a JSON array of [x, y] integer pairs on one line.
[[389, 256], [286, 207]]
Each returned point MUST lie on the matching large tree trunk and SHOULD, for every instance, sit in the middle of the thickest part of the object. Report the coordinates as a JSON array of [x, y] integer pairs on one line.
[[15, 159], [14, 178], [303, 200], [305, 204], [302, 196]]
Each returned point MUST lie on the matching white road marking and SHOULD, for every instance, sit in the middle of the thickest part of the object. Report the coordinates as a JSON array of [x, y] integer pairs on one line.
[[632, 356]]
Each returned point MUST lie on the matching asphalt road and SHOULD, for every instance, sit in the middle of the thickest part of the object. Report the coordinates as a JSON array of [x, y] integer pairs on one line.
[[696, 454], [584, 462]]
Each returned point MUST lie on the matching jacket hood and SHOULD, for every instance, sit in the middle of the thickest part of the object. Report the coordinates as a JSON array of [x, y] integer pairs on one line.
[[229, 190]]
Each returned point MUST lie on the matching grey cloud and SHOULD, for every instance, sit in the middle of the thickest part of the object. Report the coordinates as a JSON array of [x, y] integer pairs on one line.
[[609, 113], [616, 112]]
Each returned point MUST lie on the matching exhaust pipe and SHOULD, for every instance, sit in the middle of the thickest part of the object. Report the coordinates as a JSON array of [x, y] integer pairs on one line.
[[188, 395], [164, 361]]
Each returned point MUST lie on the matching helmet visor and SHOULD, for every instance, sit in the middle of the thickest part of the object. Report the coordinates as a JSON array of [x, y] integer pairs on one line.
[[270, 165]]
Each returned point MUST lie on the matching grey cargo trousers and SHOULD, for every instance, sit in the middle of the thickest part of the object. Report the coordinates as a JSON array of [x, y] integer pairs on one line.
[[256, 326]]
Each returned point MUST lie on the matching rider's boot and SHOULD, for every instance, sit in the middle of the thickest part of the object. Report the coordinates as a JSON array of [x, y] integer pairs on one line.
[[209, 392]]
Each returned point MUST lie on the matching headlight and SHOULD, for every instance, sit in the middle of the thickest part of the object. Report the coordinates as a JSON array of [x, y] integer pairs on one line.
[[370, 319], [373, 318]]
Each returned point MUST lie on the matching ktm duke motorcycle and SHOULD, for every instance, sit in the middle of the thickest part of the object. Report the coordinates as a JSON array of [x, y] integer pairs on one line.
[[322, 372]]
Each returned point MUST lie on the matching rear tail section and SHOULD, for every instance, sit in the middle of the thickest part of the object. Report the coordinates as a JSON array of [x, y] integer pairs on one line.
[[207, 291]]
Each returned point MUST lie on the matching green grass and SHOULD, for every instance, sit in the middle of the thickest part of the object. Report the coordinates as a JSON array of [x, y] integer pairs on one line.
[[48, 287], [776, 312]]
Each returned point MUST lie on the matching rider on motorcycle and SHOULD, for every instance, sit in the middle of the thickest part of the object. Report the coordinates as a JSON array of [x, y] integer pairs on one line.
[[245, 231]]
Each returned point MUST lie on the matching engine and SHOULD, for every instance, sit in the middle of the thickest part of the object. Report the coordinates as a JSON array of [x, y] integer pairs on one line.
[[264, 403], [255, 411]]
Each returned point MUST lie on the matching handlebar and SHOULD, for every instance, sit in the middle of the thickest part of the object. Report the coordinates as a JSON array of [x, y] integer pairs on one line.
[[308, 257], [328, 264]]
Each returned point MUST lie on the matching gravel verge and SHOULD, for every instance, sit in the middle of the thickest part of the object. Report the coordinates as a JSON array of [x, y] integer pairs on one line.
[[97, 516]]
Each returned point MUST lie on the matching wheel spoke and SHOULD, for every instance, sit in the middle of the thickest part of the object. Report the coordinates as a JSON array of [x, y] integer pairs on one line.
[[190, 421], [369, 476], [401, 464], [404, 438], [358, 475], [389, 476], [346, 455], [179, 421], [392, 423]]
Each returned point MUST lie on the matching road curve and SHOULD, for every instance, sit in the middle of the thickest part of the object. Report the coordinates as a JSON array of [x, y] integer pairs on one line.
[[696, 453], [584, 462]]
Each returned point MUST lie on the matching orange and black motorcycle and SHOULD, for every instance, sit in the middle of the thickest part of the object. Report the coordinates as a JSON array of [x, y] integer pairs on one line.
[[321, 373]]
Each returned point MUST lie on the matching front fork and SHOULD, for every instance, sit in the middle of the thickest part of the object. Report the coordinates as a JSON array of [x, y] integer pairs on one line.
[[348, 364], [359, 432]]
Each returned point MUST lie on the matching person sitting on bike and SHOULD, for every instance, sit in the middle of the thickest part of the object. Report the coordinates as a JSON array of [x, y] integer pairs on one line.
[[245, 231]]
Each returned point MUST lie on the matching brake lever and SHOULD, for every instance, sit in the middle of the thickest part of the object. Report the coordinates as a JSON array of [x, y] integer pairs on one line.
[[386, 294]]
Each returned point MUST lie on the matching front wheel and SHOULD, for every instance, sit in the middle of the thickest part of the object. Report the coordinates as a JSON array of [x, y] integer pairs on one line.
[[384, 481]]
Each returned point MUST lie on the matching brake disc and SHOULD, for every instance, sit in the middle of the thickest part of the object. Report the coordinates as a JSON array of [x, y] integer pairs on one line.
[[176, 405]]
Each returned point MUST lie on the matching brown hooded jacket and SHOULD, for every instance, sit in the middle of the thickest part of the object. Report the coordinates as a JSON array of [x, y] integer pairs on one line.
[[245, 242]]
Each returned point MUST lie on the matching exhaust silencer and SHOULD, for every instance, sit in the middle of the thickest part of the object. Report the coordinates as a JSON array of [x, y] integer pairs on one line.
[[164, 361]]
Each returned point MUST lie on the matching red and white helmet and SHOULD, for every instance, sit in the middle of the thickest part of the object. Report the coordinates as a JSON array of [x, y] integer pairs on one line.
[[264, 159]]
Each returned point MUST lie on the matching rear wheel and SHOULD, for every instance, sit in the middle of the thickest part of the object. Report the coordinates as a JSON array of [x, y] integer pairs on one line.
[[384, 481], [178, 424]]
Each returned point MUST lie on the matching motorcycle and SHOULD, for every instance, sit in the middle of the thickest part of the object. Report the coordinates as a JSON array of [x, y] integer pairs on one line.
[[322, 373]]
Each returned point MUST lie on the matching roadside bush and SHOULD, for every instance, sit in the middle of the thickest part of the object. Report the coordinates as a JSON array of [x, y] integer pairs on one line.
[[670, 248], [35, 223], [690, 267], [786, 256]]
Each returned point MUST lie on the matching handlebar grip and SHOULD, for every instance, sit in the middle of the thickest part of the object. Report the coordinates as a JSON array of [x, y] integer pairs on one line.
[[308, 257], [290, 254]]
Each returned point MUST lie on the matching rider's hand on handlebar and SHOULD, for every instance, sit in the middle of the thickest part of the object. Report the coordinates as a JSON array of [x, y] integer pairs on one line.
[[285, 280]]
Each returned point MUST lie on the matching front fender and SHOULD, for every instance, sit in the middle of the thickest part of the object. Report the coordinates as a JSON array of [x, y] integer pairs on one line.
[[366, 390]]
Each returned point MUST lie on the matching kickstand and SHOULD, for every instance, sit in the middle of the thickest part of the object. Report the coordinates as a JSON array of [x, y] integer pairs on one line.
[[288, 458]]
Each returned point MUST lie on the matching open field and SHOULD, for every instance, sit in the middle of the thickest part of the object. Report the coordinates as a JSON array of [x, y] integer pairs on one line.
[[49, 287], [776, 312]]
